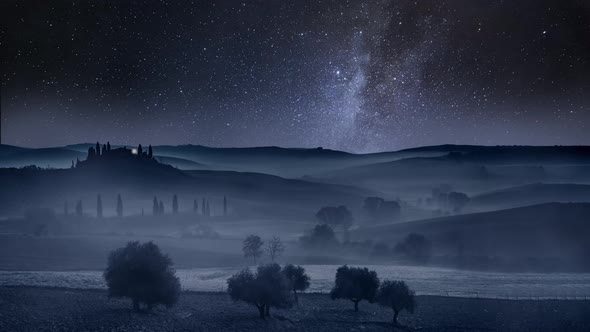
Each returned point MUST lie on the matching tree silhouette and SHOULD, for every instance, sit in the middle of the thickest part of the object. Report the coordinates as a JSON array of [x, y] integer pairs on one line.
[[355, 284], [139, 150], [195, 206], [396, 295], [161, 208], [320, 236], [203, 207], [79, 211], [98, 206], [457, 201], [156, 207], [208, 209], [150, 152], [91, 153], [108, 146], [335, 216], [298, 280], [175, 204], [381, 210], [119, 206], [97, 149], [104, 149], [252, 247], [415, 247], [275, 248], [141, 272], [267, 288]]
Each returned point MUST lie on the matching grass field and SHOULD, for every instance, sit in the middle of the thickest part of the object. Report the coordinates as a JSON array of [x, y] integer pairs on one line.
[[55, 309]]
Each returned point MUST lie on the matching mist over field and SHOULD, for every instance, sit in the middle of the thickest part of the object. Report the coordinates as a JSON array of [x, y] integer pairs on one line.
[[477, 207], [452, 221]]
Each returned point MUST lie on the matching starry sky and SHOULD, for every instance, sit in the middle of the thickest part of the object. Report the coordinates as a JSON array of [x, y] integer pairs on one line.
[[354, 75]]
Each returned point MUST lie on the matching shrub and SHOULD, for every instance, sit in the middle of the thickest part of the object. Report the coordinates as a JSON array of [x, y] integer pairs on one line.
[[320, 236], [298, 280], [396, 295], [379, 209], [355, 284], [141, 272], [415, 247], [267, 288], [335, 216]]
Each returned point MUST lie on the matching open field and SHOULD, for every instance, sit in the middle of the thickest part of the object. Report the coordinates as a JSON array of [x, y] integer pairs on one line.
[[43, 309], [424, 280]]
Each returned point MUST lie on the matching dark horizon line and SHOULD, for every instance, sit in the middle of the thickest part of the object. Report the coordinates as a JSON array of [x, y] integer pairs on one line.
[[417, 147]]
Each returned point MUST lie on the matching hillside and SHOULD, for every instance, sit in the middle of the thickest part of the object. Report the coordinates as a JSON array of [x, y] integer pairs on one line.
[[11, 156], [286, 162], [142, 179], [180, 163], [552, 230], [505, 154], [531, 194]]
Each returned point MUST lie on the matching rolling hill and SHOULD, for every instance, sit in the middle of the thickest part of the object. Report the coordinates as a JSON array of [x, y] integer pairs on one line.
[[532, 194], [140, 179], [552, 230]]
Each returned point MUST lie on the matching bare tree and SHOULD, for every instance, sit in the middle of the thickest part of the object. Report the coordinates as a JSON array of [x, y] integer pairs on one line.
[[275, 248], [252, 247]]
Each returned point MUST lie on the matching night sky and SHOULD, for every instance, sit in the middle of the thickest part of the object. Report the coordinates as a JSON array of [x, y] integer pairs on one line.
[[352, 75]]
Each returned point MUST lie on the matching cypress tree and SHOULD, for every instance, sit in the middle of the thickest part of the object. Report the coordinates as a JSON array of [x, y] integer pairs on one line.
[[195, 206], [97, 149], [175, 204], [98, 207], [91, 153], [156, 207], [79, 211], [119, 206], [161, 208], [139, 150], [150, 152], [203, 207], [108, 146]]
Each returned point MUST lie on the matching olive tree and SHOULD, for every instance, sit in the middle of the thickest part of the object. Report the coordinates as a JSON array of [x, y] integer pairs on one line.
[[298, 279], [141, 272], [355, 284], [266, 288], [397, 296]]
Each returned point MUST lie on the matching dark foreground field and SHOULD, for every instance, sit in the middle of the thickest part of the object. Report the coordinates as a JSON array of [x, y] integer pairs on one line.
[[51, 309]]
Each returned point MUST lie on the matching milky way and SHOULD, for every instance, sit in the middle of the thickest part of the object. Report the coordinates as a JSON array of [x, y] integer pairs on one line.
[[352, 75]]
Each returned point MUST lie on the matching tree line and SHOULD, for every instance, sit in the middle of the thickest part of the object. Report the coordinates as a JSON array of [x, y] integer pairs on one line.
[[157, 207], [144, 274]]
